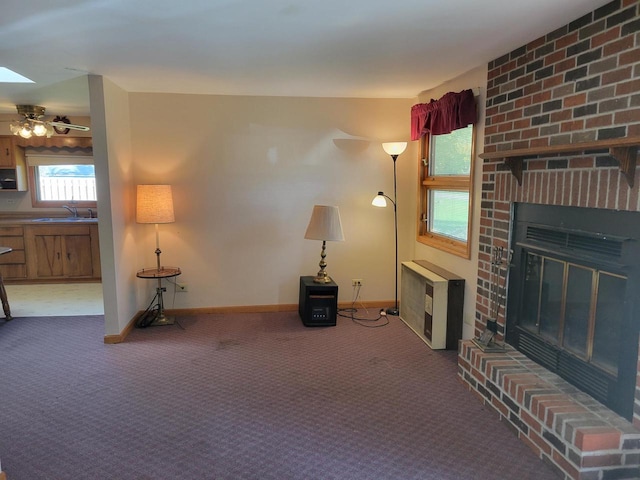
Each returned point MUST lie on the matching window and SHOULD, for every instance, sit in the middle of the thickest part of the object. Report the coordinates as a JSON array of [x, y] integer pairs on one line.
[[446, 179], [59, 180]]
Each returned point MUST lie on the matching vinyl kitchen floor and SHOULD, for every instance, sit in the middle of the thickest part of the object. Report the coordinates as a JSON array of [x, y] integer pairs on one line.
[[55, 299]]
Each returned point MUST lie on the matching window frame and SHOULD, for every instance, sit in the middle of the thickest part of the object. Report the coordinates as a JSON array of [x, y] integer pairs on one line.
[[427, 183], [32, 174]]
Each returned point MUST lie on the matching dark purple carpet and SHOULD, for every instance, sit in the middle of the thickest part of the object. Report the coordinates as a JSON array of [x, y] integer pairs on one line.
[[245, 396]]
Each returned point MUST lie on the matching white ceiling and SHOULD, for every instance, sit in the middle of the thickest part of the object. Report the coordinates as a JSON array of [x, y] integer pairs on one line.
[[321, 48]]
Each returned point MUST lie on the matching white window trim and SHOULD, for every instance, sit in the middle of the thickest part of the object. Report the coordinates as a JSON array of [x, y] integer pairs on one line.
[[36, 160]]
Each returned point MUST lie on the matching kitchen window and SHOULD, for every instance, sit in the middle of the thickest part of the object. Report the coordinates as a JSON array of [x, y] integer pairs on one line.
[[59, 180], [446, 173]]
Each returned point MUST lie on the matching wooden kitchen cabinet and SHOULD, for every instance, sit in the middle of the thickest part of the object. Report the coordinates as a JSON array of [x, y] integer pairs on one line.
[[62, 252], [7, 158], [13, 168], [13, 264]]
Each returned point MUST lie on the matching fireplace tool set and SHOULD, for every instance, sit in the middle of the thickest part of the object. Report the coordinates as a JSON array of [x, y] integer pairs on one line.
[[486, 341]]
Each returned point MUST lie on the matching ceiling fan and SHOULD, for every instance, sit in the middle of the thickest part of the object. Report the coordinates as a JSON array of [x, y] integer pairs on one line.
[[33, 123]]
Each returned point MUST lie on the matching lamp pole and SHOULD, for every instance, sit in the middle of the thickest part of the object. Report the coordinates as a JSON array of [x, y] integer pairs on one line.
[[394, 310], [393, 149], [380, 201]]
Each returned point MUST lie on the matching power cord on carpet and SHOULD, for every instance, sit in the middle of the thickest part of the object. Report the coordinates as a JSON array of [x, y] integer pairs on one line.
[[149, 315], [362, 321]]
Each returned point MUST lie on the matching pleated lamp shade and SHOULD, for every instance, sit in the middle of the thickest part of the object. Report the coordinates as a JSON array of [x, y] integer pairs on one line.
[[325, 224]]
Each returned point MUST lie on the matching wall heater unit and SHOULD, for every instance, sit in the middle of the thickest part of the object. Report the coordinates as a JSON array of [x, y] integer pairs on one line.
[[431, 303]]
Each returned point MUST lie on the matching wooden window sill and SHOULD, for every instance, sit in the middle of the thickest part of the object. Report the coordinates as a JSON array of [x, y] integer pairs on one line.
[[449, 245]]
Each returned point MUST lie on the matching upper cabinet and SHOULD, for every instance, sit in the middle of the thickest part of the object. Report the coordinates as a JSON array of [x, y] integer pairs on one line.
[[6, 152], [13, 168]]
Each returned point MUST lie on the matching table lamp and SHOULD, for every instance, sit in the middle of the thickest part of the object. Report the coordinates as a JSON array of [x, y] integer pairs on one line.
[[325, 225]]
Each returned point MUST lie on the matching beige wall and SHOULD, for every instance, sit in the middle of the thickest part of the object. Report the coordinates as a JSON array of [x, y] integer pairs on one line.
[[467, 268], [114, 177], [246, 172]]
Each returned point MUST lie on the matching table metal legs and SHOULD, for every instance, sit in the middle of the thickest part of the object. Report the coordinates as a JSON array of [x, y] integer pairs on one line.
[[5, 302], [161, 318]]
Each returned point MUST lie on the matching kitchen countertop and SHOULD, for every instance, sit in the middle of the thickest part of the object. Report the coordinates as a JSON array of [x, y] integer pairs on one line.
[[17, 220]]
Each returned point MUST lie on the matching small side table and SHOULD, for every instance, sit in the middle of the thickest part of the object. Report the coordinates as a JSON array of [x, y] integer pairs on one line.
[[159, 274], [318, 303], [3, 293]]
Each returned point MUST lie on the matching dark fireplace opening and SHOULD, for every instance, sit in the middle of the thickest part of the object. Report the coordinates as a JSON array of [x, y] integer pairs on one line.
[[571, 298]]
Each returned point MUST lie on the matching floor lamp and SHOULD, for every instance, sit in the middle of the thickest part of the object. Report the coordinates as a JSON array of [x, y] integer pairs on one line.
[[154, 204], [394, 149]]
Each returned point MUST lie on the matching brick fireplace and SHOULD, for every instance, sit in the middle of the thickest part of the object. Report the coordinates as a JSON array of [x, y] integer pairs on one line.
[[576, 86]]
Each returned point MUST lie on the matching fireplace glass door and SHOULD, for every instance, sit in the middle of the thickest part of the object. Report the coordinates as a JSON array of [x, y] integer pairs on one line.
[[574, 307], [572, 297]]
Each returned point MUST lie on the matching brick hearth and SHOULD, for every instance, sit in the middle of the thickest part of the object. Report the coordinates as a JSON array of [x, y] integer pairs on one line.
[[563, 425]]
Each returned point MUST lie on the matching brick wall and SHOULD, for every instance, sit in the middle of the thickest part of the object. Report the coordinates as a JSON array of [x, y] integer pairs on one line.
[[579, 83]]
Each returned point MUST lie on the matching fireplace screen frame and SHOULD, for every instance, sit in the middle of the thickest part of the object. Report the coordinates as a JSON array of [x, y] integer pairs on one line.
[[558, 307], [596, 239]]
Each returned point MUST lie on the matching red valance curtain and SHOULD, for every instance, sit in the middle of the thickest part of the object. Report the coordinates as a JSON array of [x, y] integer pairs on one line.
[[449, 113]]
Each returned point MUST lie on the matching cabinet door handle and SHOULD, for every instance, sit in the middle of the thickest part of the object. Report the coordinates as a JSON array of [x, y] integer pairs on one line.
[[58, 255], [7, 152], [68, 256]]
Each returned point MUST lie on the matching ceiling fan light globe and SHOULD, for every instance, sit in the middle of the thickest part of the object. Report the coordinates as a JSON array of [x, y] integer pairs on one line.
[[25, 132], [39, 130]]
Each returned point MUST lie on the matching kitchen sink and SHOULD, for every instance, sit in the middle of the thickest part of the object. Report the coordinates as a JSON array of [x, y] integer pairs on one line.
[[67, 219]]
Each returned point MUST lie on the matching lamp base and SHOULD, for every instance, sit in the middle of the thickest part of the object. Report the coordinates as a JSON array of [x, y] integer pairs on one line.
[[392, 311], [162, 319], [322, 279]]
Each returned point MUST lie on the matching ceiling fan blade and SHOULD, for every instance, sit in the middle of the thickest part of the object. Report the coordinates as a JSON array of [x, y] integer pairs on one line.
[[71, 126]]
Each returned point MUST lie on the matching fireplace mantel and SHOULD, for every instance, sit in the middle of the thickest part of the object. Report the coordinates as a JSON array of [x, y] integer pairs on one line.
[[623, 150]]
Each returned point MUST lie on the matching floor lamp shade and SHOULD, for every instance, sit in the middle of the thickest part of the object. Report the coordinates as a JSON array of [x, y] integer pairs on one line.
[[154, 204], [379, 200], [394, 148], [325, 225]]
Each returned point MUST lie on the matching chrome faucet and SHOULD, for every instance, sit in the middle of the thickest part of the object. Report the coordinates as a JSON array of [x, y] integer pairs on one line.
[[73, 210]]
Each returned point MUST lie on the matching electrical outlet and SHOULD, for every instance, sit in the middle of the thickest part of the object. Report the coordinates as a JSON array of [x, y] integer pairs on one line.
[[356, 282], [181, 287]]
